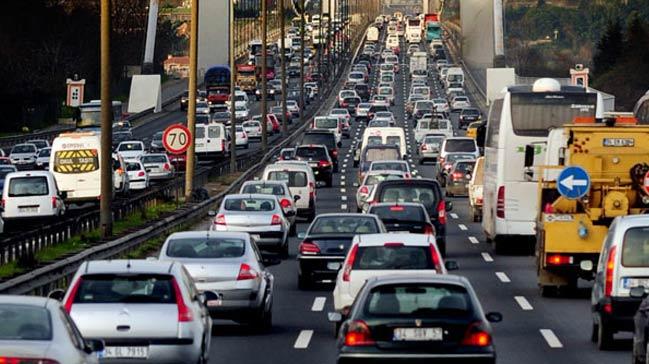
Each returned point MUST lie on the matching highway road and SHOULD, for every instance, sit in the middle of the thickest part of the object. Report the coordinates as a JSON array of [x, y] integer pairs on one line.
[[534, 330]]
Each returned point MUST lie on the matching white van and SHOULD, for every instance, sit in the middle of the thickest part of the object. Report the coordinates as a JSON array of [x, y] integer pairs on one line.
[[211, 140], [383, 135], [75, 163], [31, 194], [454, 75], [332, 124], [463, 145], [372, 34], [301, 182]]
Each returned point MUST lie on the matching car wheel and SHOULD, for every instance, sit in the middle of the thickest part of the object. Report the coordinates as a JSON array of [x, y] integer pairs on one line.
[[549, 291], [421, 161], [604, 336], [283, 250]]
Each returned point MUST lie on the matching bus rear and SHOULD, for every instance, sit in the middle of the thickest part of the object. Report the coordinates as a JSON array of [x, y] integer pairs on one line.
[[75, 164], [217, 84]]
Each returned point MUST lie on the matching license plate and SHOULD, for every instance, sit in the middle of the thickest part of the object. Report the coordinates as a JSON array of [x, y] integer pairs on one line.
[[418, 334], [618, 142], [200, 145], [139, 352], [333, 266], [28, 209], [635, 282]]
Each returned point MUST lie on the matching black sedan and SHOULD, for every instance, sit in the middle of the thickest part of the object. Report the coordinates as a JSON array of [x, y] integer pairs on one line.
[[403, 217], [326, 242], [399, 319], [318, 158]]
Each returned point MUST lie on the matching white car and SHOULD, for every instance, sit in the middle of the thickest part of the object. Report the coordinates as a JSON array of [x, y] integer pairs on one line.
[[252, 128], [241, 111], [202, 107], [138, 178], [130, 149], [460, 102], [242, 137], [158, 166], [301, 181], [374, 255], [441, 105], [31, 194], [371, 179], [23, 154]]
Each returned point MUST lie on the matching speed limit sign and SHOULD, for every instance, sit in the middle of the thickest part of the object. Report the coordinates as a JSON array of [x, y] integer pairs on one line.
[[176, 139]]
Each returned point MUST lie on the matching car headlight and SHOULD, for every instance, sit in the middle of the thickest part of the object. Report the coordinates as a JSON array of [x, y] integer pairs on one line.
[[257, 92]]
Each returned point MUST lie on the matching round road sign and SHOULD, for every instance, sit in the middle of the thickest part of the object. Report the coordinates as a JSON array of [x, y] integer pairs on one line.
[[645, 183], [176, 139]]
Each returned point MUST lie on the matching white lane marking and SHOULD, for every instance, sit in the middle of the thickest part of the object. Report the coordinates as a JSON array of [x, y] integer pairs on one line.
[[463, 227], [303, 339], [355, 184], [342, 171], [342, 183], [345, 161], [344, 198], [453, 215], [474, 240], [343, 207], [345, 165], [487, 258], [551, 338], [318, 303], [343, 176], [342, 190], [524, 303], [503, 277]]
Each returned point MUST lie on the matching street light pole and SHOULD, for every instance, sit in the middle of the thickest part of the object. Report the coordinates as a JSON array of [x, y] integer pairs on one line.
[[191, 107], [283, 65], [264, 85], [302, 63], [233, 82], [106, 162]]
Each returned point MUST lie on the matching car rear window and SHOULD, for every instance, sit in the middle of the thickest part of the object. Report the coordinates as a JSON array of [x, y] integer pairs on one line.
[[344, 225], [376, 178], [399, 213], [422, 194], [131, 288], [464, 167], [393, 257], [28, 186], [205, 248], [292, 179], [131, 167], [249, 204], [635, 251], [389, 166], [264, 189], [326, 123], [379, 154], [154, 159], [311, 152], [460, 145], [419, 300], [328, 140], [24, 322]]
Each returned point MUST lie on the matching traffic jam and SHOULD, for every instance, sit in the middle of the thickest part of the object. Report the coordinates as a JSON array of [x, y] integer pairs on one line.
[[401, 226]]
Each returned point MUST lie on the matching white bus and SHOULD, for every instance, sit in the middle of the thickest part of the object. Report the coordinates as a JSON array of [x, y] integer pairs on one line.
[[523, 115]]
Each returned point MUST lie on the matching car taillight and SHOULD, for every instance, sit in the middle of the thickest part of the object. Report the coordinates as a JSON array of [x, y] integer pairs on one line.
[[21, 360], [424, 147], [275, 220], [184, 312], [222, 145], [307, 247], [323, 164], [311, 190], [347, 269], [429, 229], [558, 259], [396, 208], [364, 190], [334, 152], [67, 306], [441, 212], [285, 203], [54, 203], [610, 269], [500, 203], [246, 273], [456, 176], [2, 203], [479, 200], [437, 260], [476, 336], [141, 174], [358, 334], [166, 167], [220, 220]]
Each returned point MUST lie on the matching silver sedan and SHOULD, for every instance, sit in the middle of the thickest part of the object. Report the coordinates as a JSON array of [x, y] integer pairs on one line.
[[259, 215], [158, 166], [230, 265], [283, 193], [371, 179], [37, 327]]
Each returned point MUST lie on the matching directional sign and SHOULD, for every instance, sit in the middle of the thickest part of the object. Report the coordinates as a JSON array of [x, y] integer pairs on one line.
[[176, 139], [574, 182]]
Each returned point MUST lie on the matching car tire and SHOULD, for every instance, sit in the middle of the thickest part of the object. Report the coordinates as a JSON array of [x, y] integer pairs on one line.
[[604, 336], [421, 161], [283, 249]]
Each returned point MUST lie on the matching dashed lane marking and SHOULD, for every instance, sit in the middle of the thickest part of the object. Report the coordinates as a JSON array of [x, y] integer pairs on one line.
[[342, 190], [342, 183], [474, 240], [318, 304], [303, 339], [487, 258], [503, 277], [344, 198], [524, 303], [551, 338], [343, 207], [463, 227], [453, 215]]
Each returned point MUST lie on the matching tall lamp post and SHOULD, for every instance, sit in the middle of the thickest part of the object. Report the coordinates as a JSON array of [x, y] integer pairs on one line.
[[282, 20], [233, 82], [106, 162], [264, 85], [303, 10], [191, 107]]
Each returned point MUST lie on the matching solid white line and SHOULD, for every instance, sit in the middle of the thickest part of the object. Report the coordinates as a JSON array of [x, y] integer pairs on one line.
[[551, 338], [343, 207], [487, 258], [473, 240], [503, 277], [318, 303], [453, 215], [524, 303], [303, 339], [463, 227]]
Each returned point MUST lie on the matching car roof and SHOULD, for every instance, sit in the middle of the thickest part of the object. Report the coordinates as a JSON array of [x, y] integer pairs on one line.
[[249, 195], [29, 173], [346, 214], [407, 239], [288, 165], [127, 266], [429, 278], [630, 221]]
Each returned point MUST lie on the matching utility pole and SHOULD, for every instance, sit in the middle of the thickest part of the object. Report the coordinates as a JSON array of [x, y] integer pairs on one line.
[[106, 162], [233, 81], [302, 63], [191, 107], [282, 60], [149, 47], [264, 84]]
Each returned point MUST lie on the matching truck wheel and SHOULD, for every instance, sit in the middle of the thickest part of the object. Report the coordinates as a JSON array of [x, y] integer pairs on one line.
[[604, 336]]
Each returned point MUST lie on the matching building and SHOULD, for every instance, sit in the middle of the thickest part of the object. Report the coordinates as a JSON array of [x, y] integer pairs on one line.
[[177, 67]]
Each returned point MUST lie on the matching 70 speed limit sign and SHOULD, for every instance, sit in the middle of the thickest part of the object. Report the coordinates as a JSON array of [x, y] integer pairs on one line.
[[176, 139]]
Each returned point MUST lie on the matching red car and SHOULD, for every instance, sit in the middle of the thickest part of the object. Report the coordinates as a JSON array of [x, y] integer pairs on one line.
[[276, 124], [5, 160], [179, 161]]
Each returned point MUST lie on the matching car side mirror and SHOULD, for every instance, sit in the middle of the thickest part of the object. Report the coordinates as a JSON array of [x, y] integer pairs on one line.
[[638, 292], [449, 206], [451, 265], [271, 261], [210, 299], [56, 294], [94, 346], [494, 317], [335, 317], [296, 198]]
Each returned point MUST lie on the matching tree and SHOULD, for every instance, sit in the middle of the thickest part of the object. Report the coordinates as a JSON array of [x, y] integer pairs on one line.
[[609, 49]]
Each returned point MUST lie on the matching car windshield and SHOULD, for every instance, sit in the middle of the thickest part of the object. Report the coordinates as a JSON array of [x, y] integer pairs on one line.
[[23, 322], [344, 225], [28, 186], [44, 153], [463, 167], [24, 148], [292, 178], [154, 159], [419, 300], [374, 179], [399, 213], [395, 256], [249, 204], [205, 248], [460, 145], [129, 288]]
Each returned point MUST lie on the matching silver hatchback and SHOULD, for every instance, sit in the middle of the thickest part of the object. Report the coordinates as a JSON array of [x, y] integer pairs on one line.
[[145, 311], [158, 166], [230, 265]]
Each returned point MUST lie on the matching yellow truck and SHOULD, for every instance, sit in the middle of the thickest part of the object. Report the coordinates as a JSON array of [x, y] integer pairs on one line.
[[247, 78], [575, 212]]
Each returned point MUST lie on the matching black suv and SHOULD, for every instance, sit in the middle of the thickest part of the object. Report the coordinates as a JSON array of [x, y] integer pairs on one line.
[[326, 138], [467, 116], [424, 191], [363, 91], [319, 161]]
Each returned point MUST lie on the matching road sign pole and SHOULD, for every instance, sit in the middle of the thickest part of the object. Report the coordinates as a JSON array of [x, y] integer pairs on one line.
[[191, 107], [264, 83], [106, 162], [302, 63], [283, 65]]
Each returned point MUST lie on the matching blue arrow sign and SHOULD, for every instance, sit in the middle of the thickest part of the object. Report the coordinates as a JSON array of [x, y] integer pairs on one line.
[[573, 182]]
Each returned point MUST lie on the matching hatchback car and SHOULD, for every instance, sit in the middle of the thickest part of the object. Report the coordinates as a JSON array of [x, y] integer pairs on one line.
[[158, 166], [31, 194], [446, 165], [300, 180], [426, 319], [43, 158], [318, 158], [132, 149], [326, 242], [430, 147], [138, 179], [23, 155], [326, 138], [145, 311], [231, 266], [156, 142], [403, 217], [459, 177], [283, 193], [468, 115], [259, 215]]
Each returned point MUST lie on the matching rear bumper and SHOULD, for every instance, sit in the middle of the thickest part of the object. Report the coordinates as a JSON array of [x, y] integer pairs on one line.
[[235, 304], [137, 185], [456, 188], [361, 358], [161, 175], [317, 267], [511, 227], [622, 315], [172, 350]]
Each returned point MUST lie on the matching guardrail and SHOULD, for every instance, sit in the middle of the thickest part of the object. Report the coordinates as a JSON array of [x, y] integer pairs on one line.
[[45, 278]]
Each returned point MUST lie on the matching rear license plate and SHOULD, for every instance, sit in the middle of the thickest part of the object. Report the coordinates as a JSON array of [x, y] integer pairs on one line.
[[28, 209], [635, 282], [138, 352], [418, 334], [333, 266], [200, 145]]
